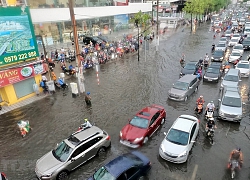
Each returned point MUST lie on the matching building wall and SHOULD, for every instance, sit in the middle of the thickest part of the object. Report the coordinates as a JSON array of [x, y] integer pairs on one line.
[[8, 93]]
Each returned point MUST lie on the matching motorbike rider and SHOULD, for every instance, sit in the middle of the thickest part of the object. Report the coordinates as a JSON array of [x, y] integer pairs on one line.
[[213, 47], [237, 155], [210, 124], [210, 106], [199, 101], [61, 83]]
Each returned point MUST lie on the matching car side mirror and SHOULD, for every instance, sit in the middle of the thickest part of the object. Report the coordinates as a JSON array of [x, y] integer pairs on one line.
[[219, 100], [192, 141], [165, 133], [73, 159]]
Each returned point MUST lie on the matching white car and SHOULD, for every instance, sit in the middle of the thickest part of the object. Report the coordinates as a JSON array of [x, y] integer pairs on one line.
[[238, 47], [233, 41], [221, 46], [179, 140], [236, 36], [234, 56], [243, 66]]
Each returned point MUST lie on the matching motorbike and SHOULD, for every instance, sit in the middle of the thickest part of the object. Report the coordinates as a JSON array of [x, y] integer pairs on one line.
[[182, 62], [233, 165], [210, 135], [213, 48], [24, 127], [57, 85], [209, 114]]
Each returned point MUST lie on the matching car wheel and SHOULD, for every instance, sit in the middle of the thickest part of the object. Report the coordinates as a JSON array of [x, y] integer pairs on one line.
[[196, 89], [62, 175], [162, 121], [145, 140], [186, 98], [101, 151]]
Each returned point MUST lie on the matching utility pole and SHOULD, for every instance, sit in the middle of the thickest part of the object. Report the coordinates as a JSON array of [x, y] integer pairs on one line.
[[77, 51], [157, 25]]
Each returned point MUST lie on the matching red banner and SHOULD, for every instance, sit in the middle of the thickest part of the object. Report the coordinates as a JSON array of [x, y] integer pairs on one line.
[[15, 75]]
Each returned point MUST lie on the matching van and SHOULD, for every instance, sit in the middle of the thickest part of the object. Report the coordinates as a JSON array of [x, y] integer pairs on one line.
[[231, 79], [230, 104], [184, 88]]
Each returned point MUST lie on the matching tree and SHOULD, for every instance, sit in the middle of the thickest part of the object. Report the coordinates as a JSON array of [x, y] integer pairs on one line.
[[141, 19]]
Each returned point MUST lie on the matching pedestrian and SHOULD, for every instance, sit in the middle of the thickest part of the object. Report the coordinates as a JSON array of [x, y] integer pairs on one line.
[[36, 88], [88, 99], [110, 30]]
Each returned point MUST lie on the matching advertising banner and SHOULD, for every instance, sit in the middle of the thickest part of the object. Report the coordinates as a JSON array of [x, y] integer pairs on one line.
[[12, 76], [121, 21], [17, 37]]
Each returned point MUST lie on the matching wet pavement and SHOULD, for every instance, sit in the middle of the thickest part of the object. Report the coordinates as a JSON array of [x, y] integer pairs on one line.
[[125, 87]]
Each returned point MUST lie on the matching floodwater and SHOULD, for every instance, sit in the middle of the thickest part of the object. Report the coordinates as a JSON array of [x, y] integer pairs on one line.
[[125, 87]]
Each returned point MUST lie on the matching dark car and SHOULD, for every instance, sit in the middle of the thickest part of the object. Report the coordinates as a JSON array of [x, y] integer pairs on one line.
[[86, 40], [218, 55], [212, 74], [103, 38], [130, 166], [189, 68], [246, 44], [3, 176]]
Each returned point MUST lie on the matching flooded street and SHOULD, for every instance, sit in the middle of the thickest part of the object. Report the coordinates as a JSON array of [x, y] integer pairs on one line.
[[127, 86]]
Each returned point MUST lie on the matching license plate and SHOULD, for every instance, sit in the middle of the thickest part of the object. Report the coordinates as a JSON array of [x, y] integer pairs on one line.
[[209, 79]]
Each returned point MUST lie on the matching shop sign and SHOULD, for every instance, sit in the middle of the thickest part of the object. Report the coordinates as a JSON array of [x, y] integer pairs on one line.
[[15, 75], [17, 37]]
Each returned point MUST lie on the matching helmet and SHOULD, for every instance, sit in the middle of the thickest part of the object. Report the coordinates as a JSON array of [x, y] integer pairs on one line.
[[238, 148], [86, 119], [88, 93], [201, 96], [211, 102]]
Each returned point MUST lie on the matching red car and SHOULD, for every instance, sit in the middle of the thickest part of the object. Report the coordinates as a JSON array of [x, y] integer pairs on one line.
[[142, 126]]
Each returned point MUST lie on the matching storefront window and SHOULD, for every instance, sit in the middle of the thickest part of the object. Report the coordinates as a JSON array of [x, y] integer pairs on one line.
[[64, 3]]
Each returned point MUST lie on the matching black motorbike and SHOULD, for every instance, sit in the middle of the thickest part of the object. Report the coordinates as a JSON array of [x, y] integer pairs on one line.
[[210, 135], [213, 48]]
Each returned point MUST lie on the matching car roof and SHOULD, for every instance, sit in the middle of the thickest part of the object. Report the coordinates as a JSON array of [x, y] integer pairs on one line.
[[232, 71], [187, 78], [88, 132], [122, 163], [147, 112], [235, 51], [184, 123], [232, 93]]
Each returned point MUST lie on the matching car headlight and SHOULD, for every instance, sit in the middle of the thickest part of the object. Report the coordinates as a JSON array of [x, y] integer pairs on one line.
[[183, 154], [138, 139], [221, 58], [238, 116], [212, 57], [162, 148], [221, 113], [120, 134], [205, 77]]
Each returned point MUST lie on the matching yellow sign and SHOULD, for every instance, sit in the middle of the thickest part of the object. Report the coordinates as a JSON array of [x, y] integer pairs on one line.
[[11, 2]]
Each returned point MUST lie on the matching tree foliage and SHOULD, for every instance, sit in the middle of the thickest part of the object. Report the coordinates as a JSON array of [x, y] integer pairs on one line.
[[141, 19], [204, 6]]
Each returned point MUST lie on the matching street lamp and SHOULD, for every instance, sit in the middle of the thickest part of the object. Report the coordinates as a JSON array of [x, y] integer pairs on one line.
[[137, 25]]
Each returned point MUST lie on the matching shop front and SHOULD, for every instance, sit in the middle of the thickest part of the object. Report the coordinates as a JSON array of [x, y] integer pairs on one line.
[[16, 84]]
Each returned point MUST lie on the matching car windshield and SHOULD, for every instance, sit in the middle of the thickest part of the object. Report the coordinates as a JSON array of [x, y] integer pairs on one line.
[[139, 122], [180, 85], [236, 35], [235, 54], [223, 39], [221, 45], [218, 53], [190, 67], [231, 78], [246, 42], [213, 70], [103, 174], [62, 152], [247, 30], [177, 137], [238, 47], [231, 101], [234, 40], [228, 32], [241, 65]]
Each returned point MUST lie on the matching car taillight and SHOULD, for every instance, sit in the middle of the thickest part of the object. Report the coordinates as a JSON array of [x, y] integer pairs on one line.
[[108, 138]]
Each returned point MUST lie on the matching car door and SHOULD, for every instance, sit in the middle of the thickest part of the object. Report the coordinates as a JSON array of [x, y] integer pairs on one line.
[[132, 173], [193, 135], [91, 148], [75, 159], [153, 124], [191, 88]]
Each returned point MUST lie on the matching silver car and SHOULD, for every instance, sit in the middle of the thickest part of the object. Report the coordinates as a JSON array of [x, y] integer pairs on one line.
[[230, 106], [231, 79], [179, 140], [184, 88], [221, 46], [71, 153]]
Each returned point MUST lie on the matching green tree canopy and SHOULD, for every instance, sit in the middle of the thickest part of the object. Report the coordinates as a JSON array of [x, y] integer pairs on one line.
[[141, 19]]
